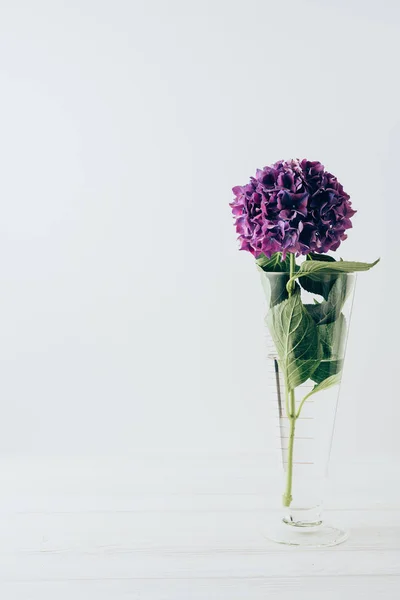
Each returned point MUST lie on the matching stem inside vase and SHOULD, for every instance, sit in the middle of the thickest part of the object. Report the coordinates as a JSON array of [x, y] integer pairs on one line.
[[291, 414]]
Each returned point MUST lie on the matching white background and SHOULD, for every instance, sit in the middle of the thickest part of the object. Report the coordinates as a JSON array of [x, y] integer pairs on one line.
[[129, 320], [130, 324]]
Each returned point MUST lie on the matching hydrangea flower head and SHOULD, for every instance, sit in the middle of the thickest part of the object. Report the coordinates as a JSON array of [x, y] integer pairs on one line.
[[291, 206]]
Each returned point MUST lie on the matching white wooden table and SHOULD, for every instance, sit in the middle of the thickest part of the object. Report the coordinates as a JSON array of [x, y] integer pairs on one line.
[[64, 535]]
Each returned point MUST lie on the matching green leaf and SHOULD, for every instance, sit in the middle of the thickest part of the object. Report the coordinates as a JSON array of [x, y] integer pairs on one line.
[[296, 338], [329, 310], [332, 338], [314, 268], [274, 264], [272, 278], [274, 285], [321, 257], [323, 285], [327, 369], [324, 385]]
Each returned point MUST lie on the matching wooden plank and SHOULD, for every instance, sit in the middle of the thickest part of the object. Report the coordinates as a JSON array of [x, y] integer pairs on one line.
[[113, 564], [214, 553], [277, 588], [169, 532]]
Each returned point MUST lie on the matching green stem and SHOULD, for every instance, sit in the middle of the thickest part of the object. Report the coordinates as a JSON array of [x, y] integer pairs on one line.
[[287, 495], [292, 272], [291, 414], [302, 403]]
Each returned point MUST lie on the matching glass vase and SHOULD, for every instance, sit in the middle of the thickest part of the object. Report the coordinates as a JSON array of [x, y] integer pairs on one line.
[[307, 329]]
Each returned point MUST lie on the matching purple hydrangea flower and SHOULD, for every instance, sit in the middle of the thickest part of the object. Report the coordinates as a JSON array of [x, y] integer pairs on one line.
[[291, 206]]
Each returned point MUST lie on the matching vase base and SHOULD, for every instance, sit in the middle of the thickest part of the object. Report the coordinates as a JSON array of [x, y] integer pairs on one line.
[[306, 537]]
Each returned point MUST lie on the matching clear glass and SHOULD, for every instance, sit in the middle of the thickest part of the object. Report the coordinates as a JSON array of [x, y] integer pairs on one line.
[[304, 420]]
